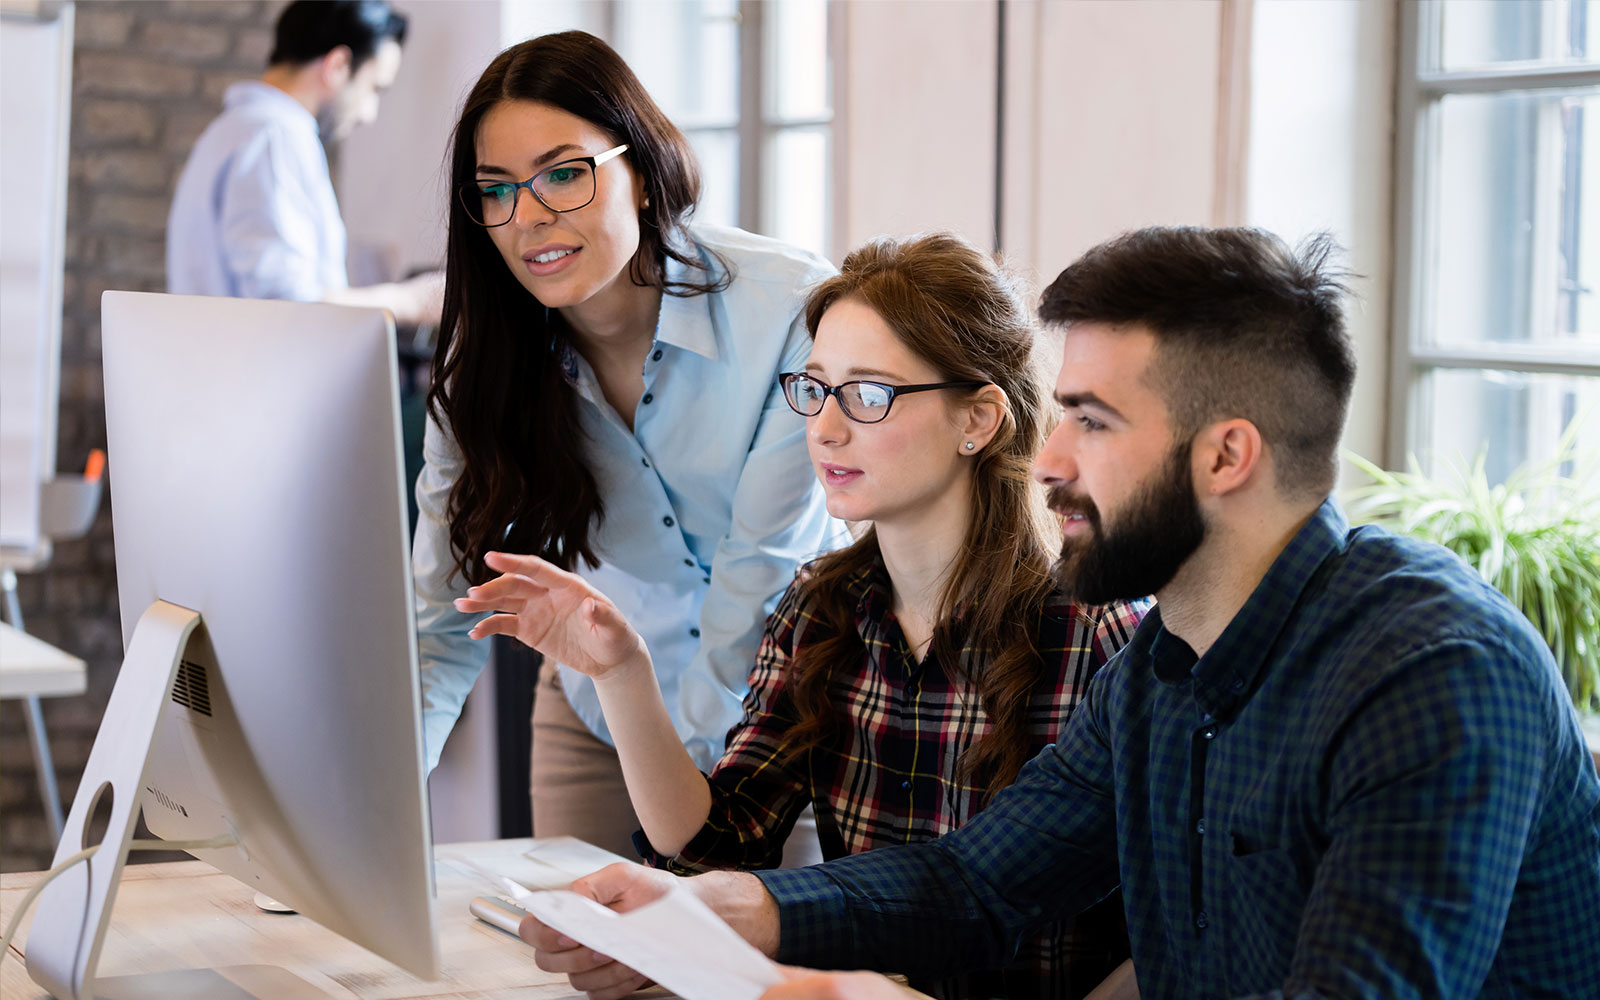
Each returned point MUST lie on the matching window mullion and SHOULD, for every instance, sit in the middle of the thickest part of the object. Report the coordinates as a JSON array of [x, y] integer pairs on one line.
[[752, 105], [1411, 234], [1536, 359], [1490, 81]]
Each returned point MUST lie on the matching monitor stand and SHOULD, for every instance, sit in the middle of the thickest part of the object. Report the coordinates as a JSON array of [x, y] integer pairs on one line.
[[74, 910]]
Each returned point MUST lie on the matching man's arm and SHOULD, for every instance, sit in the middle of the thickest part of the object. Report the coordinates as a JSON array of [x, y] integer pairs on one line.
[[415, 300]]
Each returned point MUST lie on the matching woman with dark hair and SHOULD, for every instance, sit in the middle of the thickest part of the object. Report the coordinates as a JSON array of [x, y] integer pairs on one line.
[[606, 398], [902, 681]]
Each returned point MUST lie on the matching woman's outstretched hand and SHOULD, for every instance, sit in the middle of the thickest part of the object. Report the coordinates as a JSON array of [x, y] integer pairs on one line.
[[555, 612]]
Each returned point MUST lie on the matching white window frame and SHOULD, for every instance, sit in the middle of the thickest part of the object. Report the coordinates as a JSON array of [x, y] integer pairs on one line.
[[1421, 86], [756, 128]]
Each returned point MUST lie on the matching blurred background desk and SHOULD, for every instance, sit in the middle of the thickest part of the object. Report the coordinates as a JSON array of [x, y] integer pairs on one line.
[[187, 915], [30, 670]]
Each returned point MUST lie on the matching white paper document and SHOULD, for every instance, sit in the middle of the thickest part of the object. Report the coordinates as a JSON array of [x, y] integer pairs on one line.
[[570, 856], [677, 941]]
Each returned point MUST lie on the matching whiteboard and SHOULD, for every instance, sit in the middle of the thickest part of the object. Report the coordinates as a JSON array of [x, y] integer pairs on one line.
[[35, 96]]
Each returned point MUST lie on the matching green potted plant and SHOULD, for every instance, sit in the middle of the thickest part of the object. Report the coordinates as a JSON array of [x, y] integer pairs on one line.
[[1534, 537]]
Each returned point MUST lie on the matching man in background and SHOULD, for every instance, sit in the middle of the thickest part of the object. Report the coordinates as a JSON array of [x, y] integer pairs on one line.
[[255, 215]]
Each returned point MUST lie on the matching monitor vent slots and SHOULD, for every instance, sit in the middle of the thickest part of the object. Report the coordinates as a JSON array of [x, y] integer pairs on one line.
[[190, 689]]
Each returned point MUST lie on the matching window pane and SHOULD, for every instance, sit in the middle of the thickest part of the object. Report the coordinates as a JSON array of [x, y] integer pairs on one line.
[[1479, 33], [796, 50], [686, 52], [797, 188], [1518, 417], [718, 153], [1516, 251]]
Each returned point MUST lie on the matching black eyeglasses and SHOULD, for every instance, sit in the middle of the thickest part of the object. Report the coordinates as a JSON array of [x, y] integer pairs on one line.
[[565, 187], [863, 402]]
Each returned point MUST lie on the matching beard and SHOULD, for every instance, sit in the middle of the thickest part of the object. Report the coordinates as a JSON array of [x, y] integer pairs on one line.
[[1139, 553]]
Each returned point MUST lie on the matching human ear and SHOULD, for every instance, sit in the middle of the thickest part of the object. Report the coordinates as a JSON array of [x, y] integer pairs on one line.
[[1226, 456], [983, 415], [336, 66]]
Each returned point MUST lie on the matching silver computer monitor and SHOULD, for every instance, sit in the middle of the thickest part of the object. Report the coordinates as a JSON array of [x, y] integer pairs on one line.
[[256, 476]]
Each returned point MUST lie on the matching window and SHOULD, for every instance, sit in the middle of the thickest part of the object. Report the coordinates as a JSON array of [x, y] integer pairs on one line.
[[748, 82], [1497, 202]]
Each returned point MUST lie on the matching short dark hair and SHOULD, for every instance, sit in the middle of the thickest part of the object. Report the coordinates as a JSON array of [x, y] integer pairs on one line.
[[1245, 327], [310, 29]]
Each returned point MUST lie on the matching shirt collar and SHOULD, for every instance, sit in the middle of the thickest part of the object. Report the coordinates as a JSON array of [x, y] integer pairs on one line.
[[690, 323], [254, 93], [1225, 676], [871, 588]]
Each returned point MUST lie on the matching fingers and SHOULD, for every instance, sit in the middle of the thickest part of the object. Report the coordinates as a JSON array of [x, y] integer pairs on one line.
[[503, 589], [587, 970], [608, 982], [532, 567], [495, 625]]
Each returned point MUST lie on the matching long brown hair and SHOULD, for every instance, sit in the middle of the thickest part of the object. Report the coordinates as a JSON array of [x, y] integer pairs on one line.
[[957, 309], [500, 387]]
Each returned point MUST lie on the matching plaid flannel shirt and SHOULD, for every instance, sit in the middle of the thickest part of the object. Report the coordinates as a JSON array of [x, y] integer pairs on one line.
[[1371, 785], [894, 778]]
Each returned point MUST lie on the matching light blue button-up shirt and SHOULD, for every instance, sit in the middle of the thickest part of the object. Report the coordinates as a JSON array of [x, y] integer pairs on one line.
[[710, 501], [254, 215]]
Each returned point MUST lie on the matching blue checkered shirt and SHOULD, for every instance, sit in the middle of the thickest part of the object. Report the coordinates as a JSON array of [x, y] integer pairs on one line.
[[1372, 785]]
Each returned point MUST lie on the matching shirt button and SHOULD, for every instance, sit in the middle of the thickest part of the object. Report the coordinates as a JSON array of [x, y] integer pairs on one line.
[[1237, 685], [905, 785], [1200, 826], [1200, 920], [688, 562], [656, 356], [646, 462], [695, 632], [1210, 732], [647, 398], [668, 521]]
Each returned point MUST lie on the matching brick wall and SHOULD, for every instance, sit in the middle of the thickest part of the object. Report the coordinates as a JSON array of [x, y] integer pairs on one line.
[[147, 77]]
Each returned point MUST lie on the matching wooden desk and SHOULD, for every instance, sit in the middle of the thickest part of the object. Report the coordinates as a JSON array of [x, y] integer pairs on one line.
[[186, 914]]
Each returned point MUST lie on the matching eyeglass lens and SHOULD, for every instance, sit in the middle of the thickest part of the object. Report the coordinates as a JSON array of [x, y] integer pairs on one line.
[[863, 401], [565, 187]]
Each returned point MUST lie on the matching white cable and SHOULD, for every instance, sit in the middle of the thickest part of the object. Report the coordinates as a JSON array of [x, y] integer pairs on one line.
[[225, 840]]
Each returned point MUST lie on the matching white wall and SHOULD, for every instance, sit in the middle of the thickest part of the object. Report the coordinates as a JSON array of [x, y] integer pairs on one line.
[[914, 132], [1114, 123], [1111, 121], [392, 174], [1321, 158]]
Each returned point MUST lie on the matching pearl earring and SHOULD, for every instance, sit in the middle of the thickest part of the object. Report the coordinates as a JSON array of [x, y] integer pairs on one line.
[[970, 445]]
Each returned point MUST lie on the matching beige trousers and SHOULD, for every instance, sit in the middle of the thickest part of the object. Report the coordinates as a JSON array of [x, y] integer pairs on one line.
[[577, 787]]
